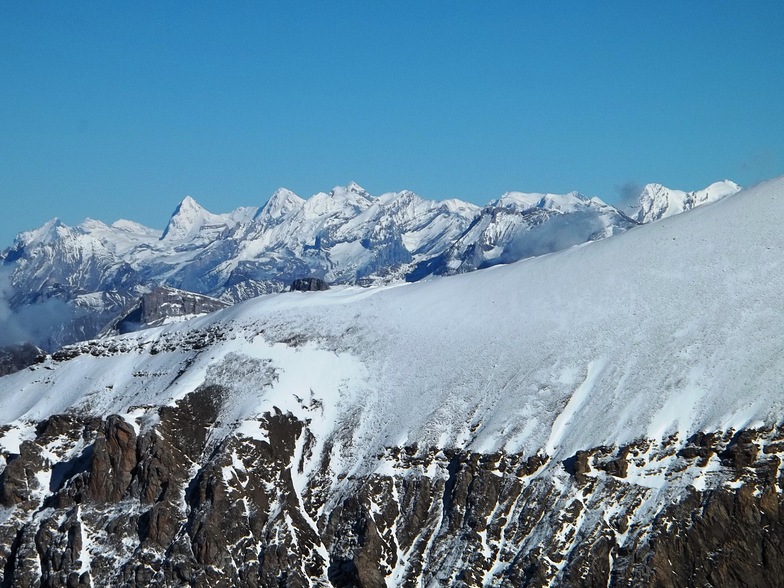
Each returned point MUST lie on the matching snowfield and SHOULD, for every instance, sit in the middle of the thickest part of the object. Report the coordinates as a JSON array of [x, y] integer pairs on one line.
[[675, 326]]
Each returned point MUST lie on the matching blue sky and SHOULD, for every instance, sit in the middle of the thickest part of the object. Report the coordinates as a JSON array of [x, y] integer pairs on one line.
[[118, 110]]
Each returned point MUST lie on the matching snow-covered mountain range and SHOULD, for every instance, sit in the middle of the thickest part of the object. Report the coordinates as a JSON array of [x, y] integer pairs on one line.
[[608, 415], [62, 284]]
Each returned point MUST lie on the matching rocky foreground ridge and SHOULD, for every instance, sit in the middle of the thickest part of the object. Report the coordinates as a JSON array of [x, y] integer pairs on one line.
[[159, 500]]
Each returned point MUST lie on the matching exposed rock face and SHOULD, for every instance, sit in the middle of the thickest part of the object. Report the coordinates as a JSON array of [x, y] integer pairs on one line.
[[17, 357], [174, 498], [162, 304], [309, 285], [114, 458], [19, 481]]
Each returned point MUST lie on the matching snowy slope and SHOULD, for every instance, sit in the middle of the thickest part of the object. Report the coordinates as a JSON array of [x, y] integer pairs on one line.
[[672, 327], [349, 437]]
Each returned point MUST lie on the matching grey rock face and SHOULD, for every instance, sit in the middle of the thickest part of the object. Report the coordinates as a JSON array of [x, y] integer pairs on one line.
[[186, 502], [308, 285], [17, 357], [154, 308], [114, 458]]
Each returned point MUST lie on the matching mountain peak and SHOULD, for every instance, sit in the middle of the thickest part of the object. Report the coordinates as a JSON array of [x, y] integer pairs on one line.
[[46, 233], [526, 200], [186, 220], [188, 203], [91, 224], [657, 201], [346, 201], [282, 203], [352, 188]]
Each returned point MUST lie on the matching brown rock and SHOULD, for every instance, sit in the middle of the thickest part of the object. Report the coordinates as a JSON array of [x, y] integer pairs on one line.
[[19, 480], [114, 458]]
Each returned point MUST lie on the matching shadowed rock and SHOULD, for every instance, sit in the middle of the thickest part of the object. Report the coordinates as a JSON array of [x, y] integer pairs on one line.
[[308, 285], [187, 502], [14, 358], [114, 458]]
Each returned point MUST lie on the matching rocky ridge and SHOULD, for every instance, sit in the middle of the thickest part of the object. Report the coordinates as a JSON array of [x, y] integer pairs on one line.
[[159, 499]]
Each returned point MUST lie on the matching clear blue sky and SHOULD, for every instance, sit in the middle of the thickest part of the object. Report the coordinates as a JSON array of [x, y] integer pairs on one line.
[[119, 109]]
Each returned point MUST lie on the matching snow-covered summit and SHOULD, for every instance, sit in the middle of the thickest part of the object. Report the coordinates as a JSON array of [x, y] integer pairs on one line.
[[46, 233], [657, 201], [350, 188], [521, 224], [134, 227], [559, 202], [521, 200], [188, 219], [343, 201], [281, 204]]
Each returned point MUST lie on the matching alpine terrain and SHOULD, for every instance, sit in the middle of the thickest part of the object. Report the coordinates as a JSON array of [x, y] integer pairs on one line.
[[610, 414], [65, 284]]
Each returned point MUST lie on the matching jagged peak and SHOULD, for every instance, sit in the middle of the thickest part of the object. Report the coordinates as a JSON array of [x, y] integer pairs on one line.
[[657, 201], [352, 188], [356, 188], [189, 203], [399, 198], [186, 219], [282, 203], [46, 233]]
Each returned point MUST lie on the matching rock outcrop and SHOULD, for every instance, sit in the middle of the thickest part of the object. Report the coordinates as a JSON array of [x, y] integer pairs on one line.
[[308, 285], [17, 357], [173, 497], [161, 305]]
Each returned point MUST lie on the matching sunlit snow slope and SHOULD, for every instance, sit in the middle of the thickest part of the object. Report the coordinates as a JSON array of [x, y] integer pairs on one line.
[[675, 326]]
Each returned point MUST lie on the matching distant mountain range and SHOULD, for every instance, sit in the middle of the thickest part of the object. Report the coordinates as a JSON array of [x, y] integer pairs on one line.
[[64, 284]]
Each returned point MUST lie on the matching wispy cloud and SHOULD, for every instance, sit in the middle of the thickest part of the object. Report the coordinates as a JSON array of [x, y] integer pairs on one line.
[[628, 195], [10, 330], [37, 323]]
